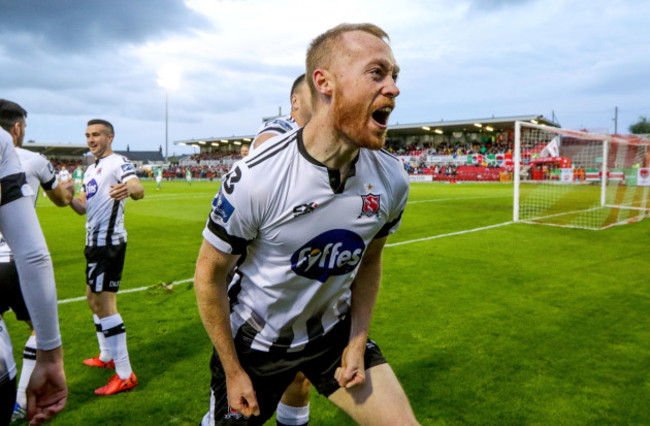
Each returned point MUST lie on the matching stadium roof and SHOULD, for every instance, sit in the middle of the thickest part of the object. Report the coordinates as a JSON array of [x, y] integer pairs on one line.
[[57, 150], [403, 130], [466, 126]]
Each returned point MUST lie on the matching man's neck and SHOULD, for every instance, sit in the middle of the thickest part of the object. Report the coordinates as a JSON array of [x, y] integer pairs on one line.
[[324, 144], [104, 155]]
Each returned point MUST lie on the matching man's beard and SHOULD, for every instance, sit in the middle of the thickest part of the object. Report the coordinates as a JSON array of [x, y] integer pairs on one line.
[[351, 120]]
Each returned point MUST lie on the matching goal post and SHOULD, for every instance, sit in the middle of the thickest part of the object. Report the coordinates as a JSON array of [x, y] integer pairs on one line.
[[579, 179]]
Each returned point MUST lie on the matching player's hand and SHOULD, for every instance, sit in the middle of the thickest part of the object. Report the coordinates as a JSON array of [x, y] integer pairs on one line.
[[47, 392], [352, 371], [119, 191], [241, 395], [68, 186]]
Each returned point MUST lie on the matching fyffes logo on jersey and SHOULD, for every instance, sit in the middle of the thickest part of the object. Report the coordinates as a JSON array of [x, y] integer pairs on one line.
[[334, 252], [91, 189]]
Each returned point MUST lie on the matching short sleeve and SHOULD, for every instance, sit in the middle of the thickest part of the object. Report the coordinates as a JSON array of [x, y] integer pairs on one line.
[[126, 171], [46, 174], [400, 193], [231, 225]]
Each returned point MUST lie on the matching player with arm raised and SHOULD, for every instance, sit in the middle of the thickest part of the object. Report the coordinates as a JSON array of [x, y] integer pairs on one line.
[[306, 220], [107, 184]]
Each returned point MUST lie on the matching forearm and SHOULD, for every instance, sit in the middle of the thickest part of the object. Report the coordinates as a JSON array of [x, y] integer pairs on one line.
[[136, 190], [20, 227], [78, 205], [364, 295], [212, 300]]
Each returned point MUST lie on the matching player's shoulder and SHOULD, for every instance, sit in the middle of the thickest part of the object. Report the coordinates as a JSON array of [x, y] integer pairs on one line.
[[389, 165], [121, 162], [25, 154], [271, 151], [285, 122], [260, 172], [386, 158]]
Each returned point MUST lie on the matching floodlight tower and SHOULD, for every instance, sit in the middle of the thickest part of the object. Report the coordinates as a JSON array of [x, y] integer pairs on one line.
[[168, 79]]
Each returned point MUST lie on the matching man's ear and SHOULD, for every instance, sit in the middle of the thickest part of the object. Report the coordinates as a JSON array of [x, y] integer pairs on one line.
[[15, 129], [323, 82]]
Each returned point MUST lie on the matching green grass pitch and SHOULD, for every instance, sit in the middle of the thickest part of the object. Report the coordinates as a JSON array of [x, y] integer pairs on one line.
[[509, 325]]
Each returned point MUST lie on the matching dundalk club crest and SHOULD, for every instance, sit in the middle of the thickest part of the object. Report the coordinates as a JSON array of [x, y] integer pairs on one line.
[[370, 205]]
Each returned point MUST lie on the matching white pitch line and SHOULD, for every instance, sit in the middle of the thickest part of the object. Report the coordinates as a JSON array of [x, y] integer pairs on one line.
[[187, 280], [448, 235], [435, 200], [130, 290]]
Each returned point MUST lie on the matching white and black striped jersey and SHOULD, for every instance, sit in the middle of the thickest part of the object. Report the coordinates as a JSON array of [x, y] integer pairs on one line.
[[38, 171], [105, 215], [276, 126], [10, 169], [12, 179], [33, 261], [301, 232]]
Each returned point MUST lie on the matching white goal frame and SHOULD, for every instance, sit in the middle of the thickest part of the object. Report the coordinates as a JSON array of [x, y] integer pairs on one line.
[[600, 145]]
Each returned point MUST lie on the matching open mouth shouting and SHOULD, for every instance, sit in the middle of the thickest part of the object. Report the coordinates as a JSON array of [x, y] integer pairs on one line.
[[380, 116]]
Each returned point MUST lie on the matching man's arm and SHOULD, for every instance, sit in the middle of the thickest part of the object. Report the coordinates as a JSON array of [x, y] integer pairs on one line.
[[47, 391], [131, 188], [61, 195], [211, 289], [78, 203], [364, 294]]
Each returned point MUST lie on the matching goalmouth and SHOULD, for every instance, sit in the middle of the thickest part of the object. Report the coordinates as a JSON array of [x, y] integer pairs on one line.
[[578, 179]]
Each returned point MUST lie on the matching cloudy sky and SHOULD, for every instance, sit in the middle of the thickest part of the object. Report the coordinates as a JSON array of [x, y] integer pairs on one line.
[[67, 61]]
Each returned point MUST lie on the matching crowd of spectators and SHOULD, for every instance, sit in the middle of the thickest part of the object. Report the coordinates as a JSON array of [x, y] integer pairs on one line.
[[215, 156], [458, 148]]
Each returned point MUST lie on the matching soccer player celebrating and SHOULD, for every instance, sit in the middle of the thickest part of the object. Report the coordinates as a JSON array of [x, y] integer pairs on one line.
[[300, 115], [38, 170], [307, 219], [107, 184]]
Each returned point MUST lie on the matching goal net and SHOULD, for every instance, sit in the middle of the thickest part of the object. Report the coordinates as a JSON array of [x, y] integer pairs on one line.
[[578, 179]]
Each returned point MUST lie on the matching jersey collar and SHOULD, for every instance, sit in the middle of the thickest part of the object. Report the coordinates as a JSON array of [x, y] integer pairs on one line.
[[106, 156], [337, 185]]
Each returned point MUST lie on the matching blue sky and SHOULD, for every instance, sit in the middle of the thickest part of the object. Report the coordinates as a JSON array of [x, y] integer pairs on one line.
[[68, 61]]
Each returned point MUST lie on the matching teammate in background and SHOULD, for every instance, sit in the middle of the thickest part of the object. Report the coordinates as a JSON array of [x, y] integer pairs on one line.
[[244, 151], [159, 177], [188, 176], [64, 174], [300, 115], [293, 408], [311, 219], [107, 184], [78, 176], [47, 391], [38, 170]]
